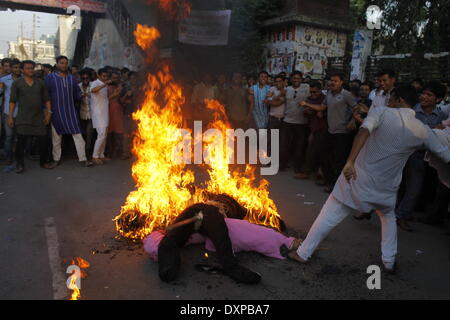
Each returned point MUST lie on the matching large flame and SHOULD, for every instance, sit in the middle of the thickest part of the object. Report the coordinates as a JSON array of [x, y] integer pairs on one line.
[[165, 188]]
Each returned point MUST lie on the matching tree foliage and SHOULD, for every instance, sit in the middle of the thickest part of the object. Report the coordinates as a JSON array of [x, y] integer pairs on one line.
[[247, 32], [412, 26]]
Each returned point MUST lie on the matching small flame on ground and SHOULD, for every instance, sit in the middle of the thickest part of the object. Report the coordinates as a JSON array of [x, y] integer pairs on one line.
[[206, 255], [83, 264]]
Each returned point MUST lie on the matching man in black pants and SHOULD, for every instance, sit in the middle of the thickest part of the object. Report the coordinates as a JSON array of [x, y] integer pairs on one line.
[[212, 226], [31, 94], [294, 126], [339, 105]]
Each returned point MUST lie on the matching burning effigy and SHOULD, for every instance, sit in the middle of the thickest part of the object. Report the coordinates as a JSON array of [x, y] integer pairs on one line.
[[166, 189]]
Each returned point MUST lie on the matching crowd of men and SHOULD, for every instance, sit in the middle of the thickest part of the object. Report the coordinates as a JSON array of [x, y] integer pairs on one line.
[[318, 121], [40, 104]]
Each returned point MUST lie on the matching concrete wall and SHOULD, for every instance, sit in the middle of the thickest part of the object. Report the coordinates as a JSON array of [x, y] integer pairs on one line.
[[109, 49], [67, 36]]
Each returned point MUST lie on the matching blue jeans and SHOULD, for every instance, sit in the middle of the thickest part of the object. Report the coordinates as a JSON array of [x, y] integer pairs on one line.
[[9, 138]]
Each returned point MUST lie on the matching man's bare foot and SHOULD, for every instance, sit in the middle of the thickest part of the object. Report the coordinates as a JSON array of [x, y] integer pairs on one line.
[[294, 256]]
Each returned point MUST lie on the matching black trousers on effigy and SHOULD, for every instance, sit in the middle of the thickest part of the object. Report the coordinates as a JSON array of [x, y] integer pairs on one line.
[[213, 226]]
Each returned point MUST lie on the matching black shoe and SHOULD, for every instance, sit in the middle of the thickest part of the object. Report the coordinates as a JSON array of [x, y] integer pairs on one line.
[[432, 222], [19, 168], [403, 224], [49, 165], [241, 274], [168, 260]]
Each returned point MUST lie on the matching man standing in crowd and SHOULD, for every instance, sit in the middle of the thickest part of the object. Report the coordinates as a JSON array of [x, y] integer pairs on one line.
[[430, 115], [115, 124], [64, 90], [4, 71], [85, 111], [202, 91], [130, 98], [364, 103], [100, 114], [32, 118], [257, 97], [277, 103], [294, 127], [47, 69], [6, 67], [235, 100], [6, 83], [339, 105], [318, 128], [387, 80], [373, 171]]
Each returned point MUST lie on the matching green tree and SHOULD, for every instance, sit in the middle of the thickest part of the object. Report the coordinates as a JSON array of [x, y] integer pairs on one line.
[[247, 31], [408, 26]]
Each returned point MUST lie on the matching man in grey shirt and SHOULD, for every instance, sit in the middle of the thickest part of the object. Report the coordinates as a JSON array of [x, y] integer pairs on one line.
[[294, 127], [339, 105]]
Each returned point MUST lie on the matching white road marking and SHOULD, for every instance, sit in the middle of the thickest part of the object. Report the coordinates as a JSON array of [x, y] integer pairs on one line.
[[58, 277]]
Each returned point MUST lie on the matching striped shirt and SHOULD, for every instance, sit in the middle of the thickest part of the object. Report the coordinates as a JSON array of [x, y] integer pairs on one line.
[[64, 91], [394, 135], [260, 110]]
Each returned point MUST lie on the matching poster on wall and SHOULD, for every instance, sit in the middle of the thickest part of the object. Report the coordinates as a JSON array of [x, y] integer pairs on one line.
[[304, 49], [362, 47], [205, 28]]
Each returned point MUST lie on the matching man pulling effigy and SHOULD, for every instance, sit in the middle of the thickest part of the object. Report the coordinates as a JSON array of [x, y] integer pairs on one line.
[[219, 223], [372, 175]]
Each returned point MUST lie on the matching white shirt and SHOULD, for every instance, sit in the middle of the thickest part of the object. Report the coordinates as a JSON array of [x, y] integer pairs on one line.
[[85, 108], [277, 112], [99, 106], [381, 99], [394, 136], [442, 168]]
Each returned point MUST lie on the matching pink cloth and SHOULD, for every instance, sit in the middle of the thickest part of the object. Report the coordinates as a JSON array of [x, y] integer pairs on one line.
[[244, 236]]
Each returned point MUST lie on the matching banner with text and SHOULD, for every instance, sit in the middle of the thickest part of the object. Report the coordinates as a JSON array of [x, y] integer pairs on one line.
[[205, 28]]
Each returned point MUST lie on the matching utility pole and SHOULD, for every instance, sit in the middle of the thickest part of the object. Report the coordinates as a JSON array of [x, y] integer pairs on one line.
[[34, 37]]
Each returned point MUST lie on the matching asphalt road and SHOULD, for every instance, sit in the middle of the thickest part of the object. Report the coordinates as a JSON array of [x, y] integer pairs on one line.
[[83, 201]]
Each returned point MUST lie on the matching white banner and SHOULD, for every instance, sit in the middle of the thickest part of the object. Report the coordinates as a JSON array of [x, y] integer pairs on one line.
[[362, 47], [205, 28]]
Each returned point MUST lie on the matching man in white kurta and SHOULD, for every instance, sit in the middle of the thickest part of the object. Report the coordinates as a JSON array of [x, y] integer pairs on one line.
[[372, 175], [100, 114]]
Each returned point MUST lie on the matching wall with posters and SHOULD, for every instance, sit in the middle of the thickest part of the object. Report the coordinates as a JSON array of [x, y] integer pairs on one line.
[[303, 48], [106, 38]]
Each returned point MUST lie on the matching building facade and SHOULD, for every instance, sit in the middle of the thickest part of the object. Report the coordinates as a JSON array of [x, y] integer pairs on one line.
[[306, 36], [41, 51]]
